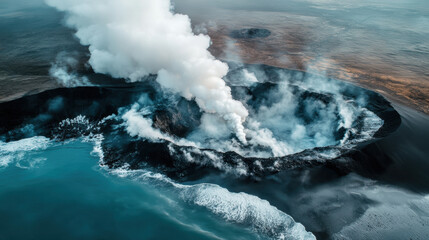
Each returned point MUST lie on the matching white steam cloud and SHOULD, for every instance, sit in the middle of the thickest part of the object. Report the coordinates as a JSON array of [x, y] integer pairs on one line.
[[134, 38], [62, 71]]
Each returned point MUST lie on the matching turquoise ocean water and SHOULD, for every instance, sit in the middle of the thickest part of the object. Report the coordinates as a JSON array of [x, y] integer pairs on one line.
[[59, 191]]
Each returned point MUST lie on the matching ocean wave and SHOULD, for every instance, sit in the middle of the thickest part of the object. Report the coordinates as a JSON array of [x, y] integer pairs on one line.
[[17, 151], [239, 208], [245, 209]]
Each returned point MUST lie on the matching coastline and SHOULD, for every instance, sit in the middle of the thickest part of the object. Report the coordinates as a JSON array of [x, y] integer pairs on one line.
[[34, 85], [298, 42], [334, 141]]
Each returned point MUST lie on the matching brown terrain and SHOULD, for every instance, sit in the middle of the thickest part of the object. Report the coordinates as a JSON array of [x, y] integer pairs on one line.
[[14, 87], [307, 43], [398, 78]]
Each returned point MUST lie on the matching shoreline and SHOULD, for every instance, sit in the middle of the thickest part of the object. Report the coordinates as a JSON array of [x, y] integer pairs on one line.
[[50, 84]]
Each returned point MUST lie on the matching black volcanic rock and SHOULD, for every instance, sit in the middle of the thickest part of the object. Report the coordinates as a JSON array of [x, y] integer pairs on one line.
[[178, 120], [52, 114], [45, 110], [248, 33], [306, 102]]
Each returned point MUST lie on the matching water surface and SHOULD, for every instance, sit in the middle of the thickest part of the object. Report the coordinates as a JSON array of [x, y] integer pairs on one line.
[[58, 191]]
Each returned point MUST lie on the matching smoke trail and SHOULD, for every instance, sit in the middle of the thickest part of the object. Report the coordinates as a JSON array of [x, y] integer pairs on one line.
[[134, 38]]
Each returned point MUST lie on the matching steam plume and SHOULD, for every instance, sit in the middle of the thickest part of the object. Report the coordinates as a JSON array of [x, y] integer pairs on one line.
[[131, 39], [61, 70]]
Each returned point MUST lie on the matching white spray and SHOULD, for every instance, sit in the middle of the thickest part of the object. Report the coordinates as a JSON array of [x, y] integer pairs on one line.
[[131, 39]]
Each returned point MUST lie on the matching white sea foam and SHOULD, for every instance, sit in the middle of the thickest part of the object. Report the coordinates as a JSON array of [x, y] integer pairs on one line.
[[246, 210], [17, 151], [97, 140], [240, 208], [28, 163]]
